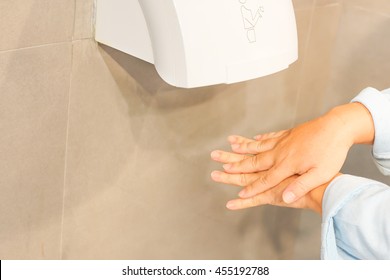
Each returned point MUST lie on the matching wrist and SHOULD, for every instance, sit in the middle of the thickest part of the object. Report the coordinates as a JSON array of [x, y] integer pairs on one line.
[[355, 123], [316, 196]]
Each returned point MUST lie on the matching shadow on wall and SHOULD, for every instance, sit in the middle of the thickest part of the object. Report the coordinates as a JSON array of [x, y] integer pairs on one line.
[[188, 124], [147, 77], [141, 71], [192, 116]]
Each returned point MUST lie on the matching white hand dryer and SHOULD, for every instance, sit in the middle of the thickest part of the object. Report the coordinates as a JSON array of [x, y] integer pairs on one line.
[[197, 43]]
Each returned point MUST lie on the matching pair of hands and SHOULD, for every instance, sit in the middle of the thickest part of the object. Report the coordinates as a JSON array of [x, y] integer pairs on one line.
[[293, 167]]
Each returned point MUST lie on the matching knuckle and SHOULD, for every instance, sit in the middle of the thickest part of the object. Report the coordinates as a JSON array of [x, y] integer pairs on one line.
[[264, 181], [243, 180], [258, 146], [245, 157], [254, 162], [254, 201], [300, 188]]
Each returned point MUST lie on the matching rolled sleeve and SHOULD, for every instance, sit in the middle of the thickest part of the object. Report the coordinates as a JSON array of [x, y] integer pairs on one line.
[[378, 103], [356, 219]]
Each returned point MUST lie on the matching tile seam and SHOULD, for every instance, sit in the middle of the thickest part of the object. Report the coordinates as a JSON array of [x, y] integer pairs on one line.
[[67, 134], [34, 47], [66, 152]]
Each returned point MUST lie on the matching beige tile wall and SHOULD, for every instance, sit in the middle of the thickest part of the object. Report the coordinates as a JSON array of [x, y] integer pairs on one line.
[[100, 159]]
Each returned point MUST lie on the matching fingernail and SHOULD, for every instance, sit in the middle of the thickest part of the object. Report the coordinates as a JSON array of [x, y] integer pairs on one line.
[[227, 166], [243, 194], [232, 139], [230, 205], [216, 175], [289, 197], [257, 137], [215, 155], [235, 146]]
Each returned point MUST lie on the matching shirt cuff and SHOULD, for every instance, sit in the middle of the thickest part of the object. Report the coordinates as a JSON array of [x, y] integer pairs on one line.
[[339, 192], [383, 165], [378, 103], [355, 219]]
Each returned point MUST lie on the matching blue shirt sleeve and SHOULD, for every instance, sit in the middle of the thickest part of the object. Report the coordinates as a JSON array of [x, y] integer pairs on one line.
[[356, 219], [356, 211], [378, 103]]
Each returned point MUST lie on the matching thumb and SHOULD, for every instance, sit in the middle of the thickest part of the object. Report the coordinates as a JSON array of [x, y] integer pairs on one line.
[[301, 186]]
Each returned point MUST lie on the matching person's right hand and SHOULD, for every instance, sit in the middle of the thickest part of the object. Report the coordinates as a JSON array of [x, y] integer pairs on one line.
[[315, 150], [312, 200]]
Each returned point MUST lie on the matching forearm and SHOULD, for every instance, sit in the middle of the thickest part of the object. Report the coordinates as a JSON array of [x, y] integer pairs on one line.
[[378, 104]]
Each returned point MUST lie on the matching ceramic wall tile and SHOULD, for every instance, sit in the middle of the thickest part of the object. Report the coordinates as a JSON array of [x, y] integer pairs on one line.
[[138, 163], [26, 23], [84, 19], [359, 56], [34, 86]]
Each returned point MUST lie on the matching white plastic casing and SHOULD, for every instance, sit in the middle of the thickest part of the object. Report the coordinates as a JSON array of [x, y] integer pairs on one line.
[[197, 43]]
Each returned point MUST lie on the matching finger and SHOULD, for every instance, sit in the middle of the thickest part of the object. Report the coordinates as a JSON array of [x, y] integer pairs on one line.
[[271, 197], [225, 157], [255, 147], [234, 179], [237, 139], [237, 204], [302, 185], [268, 180], [270, 135], [260, 162]]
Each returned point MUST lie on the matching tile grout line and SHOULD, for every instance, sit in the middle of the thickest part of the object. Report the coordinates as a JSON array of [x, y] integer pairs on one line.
[[301, 72], [43, 45], [33, 47], [66, 152], [67, 136], [362, 8]]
